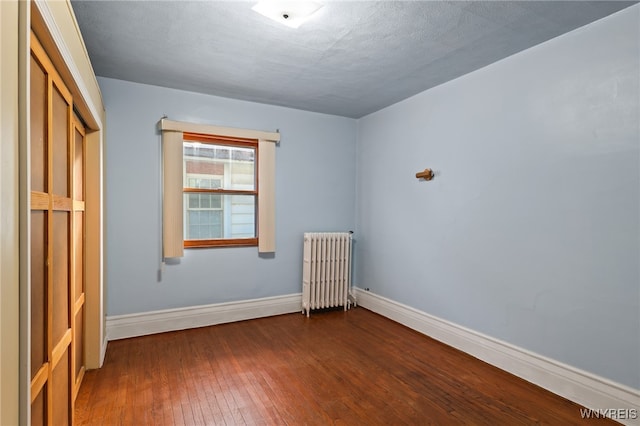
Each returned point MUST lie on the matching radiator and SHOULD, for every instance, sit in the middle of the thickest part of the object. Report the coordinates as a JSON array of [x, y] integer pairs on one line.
[[326, 271]]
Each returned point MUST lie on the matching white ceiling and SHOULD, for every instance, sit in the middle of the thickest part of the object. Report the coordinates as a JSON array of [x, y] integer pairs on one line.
[[351, 59]]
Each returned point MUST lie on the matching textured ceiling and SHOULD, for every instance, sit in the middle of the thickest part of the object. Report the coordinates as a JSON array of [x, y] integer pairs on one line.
[[351, 59]]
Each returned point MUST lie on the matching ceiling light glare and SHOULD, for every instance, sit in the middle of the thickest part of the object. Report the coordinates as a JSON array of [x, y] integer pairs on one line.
[[289, 13]]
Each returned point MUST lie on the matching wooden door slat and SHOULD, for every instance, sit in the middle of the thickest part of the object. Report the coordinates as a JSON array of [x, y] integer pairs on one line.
[[39, 200], [60, 348], [79, 304], [37, 383], [62, 203]]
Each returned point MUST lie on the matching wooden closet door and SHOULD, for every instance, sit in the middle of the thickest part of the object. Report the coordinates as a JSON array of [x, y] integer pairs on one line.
[[57, 234]]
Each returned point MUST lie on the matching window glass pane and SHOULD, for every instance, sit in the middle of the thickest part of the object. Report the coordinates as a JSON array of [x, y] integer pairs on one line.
[[210, 166], [216, 201], [193, 201], [241, 216], [204, 224], [219, 216], [242, 175]]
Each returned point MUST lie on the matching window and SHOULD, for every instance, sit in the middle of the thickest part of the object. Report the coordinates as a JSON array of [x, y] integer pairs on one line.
[[175, 186], [220, 190]]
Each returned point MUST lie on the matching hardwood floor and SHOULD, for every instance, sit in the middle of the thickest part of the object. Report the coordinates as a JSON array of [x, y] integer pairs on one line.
[[352, 368]]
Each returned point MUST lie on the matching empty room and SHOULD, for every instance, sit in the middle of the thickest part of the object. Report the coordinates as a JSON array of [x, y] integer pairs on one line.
[[319, 212]]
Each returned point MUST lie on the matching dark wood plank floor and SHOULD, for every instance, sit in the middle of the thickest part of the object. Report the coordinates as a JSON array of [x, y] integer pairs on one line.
[[353, 368]]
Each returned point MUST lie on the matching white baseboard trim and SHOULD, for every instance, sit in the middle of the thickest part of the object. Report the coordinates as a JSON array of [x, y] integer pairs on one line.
[[580, 386], [133, 325]]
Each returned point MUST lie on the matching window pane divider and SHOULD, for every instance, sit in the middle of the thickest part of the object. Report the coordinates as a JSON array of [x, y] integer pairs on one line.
[[228, 242], [221, 191]]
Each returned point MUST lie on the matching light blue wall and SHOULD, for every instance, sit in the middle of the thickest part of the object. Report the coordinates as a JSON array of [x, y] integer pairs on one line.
[[530, 231], [315, 191]]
